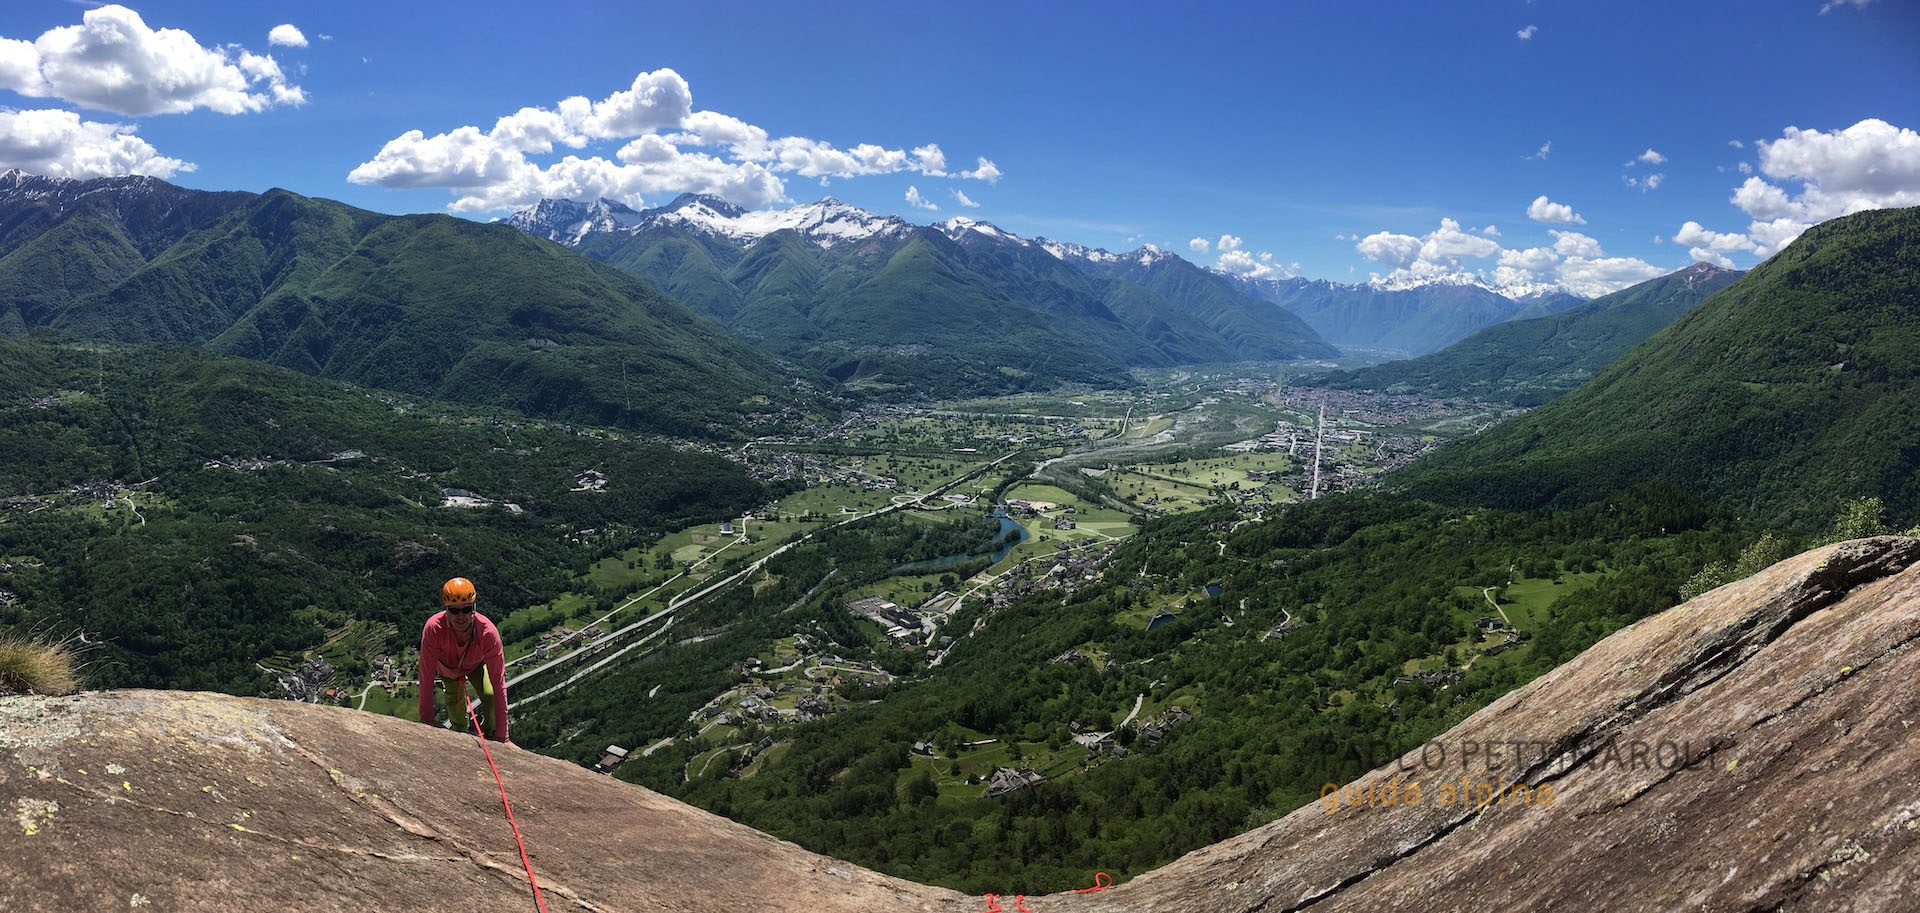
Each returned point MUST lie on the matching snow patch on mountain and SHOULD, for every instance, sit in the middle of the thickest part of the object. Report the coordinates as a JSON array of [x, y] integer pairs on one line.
[[959, 227], [826, 223], [21, 186], [570, 221], [1149, 255], [1065, 250], [1520, 290]]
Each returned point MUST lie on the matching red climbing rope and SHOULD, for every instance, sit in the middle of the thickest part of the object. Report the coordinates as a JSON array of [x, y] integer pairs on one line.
[[1101, 882], [538, 901]]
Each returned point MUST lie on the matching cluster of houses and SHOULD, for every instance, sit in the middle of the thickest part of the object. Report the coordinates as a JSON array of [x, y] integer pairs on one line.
[[1491, 626], [312, 683], [1152, 733], [1366, 406], [105, 494], [1434, 680], [554, 638], [1005, 780], [759, 701], [1070, 566], [388, 673]]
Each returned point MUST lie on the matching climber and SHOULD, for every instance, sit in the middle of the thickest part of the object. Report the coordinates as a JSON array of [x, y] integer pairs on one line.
[[458, 646]]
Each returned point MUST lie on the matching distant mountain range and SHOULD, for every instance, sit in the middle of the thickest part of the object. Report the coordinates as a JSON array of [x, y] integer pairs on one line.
[[961, 306], [1147, 307], [1788, 392], [1399, 319], [424, 304], [1527, 362]]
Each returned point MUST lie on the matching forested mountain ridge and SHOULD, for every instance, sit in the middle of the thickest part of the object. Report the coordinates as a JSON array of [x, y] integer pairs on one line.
[[1529, 361], [1793, 389], [196, 515], [429, 305], [956, 308]]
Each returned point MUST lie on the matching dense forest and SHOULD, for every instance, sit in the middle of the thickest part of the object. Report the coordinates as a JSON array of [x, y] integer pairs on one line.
[[198, 514]]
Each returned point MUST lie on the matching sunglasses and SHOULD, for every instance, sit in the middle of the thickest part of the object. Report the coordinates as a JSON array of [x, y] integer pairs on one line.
[[461, 609]]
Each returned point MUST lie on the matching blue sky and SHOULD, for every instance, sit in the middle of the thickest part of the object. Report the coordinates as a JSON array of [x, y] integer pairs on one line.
[[1590, 143]]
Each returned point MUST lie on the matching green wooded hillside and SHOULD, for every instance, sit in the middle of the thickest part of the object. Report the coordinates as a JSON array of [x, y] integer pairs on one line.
[[1789, 392], [427, 305], [199, 514], [1527, 362]]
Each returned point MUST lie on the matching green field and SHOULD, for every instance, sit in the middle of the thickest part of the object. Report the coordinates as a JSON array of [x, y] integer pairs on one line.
[[1095, 523]]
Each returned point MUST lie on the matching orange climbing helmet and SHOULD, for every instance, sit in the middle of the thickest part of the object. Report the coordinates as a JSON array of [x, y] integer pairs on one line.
[[457, 592]]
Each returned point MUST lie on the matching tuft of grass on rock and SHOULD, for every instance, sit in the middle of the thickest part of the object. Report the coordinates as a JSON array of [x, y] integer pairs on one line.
[[34, 665]]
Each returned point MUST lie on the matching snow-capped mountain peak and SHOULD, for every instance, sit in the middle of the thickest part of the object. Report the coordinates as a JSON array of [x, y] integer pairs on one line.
[[1066, 250], [1515, 289], [1150, 254], [959, 227], [826, 223], [570, 221]]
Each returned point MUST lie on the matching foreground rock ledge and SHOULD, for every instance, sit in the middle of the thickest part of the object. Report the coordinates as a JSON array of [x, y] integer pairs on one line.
[[1753, 749]]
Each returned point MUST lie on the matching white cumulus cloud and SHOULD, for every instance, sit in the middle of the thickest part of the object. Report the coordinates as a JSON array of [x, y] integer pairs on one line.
[[1228, 243], [1545, 210], [917, 201], [1695, 235], [1574, 244], [1650, 157], [113, 62], [664, 149], [1395, 250], [1198, 245], [1447, 244], [286, 35], [1526, 34], [1535, 264], [1707, 255], [60, 144], [1254, 266], [1545, 148], [1870, 165], [1575, 262], [1593, 278], [961, 197], [985, 171]]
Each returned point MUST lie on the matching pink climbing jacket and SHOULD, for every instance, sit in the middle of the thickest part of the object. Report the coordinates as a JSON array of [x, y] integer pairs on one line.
[[442, 656]]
